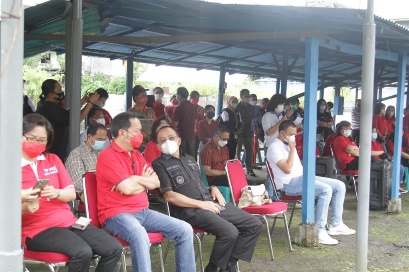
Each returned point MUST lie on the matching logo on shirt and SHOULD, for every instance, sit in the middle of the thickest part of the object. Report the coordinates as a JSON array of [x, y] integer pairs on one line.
[[180, 180], [50, 171]]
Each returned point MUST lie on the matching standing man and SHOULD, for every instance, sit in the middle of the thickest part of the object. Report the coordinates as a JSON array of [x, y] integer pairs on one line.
[[184, 120], [236, 231], [246, 112], [194, 98], [123, 176], [158, 107], [263, 107], [288, 172]]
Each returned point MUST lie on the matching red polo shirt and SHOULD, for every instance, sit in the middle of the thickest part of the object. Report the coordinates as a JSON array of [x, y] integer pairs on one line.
[[159, 109], [211, 156], [379, 121], [52, 212], [390, 125], [340, 145], [375, 146], [113, 166]]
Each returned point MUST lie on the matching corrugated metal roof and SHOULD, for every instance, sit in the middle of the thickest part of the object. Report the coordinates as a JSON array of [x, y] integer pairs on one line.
[[176, 32]]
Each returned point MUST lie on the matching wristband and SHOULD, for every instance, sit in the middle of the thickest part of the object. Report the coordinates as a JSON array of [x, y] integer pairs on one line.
[[88, 101]]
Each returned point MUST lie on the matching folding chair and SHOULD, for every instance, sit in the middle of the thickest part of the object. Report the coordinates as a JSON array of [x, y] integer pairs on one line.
[[90, 195], [237, 181], [282, 196], [52, 260], [349, 174]]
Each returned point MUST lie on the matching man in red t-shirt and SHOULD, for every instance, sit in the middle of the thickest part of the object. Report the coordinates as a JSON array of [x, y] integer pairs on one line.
[[123, 176], [158, 107], [194, 98]]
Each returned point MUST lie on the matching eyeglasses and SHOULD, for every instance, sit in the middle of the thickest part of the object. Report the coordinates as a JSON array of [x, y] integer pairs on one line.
[[223, 139], [171, 138], [33, 139]]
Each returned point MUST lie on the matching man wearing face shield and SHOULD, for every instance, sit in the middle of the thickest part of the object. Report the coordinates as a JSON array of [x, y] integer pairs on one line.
[[50, 107], [214, 156], [236, 231], [288, 176], [123, 176]]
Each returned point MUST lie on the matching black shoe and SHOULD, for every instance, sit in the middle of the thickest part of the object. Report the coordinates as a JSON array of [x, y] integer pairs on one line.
[[231, 266], [255, 166], [211, 268], [251, 173]]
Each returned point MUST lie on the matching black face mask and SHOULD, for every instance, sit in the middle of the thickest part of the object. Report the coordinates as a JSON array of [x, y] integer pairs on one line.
[[61, 96], [210, 114]]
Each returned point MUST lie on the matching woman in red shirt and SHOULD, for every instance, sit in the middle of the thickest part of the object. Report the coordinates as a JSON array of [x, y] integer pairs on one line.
[[345, 150], [152, 151], [50, 227], [390, 119], [380, 123]]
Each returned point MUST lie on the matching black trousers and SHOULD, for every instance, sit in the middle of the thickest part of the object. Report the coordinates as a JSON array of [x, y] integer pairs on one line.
[[232, 145], [236, 232], [80, 245], [248, 142], [220, 181], [189, 146]]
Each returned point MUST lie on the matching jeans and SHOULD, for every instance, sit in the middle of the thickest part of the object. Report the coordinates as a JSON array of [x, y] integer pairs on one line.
[[133, 228], [80, 245], [326, 191]]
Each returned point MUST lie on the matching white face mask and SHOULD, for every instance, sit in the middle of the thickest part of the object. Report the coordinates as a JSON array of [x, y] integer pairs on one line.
[[374, 136], [234, 105], [280, 108], [100, 121], [158, 96], [291, 139], [222, 143], [170, 147], [347, 132]]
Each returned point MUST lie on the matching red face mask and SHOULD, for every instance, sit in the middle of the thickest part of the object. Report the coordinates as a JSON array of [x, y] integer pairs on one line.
[[195, 101], [32, 150], [137, 140], [175, 102]]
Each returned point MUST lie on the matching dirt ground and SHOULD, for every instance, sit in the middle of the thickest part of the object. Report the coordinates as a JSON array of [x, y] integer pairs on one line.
[[388, 246]]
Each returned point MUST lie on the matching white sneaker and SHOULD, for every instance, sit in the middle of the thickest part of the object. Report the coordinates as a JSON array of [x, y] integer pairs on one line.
[[325, 239], [341, 229]]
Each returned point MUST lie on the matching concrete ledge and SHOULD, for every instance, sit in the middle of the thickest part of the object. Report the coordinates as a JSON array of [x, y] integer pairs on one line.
[[395, 205], [307, 235]]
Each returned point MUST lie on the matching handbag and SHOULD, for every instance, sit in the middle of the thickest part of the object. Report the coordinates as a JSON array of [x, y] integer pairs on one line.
[[253, 195]]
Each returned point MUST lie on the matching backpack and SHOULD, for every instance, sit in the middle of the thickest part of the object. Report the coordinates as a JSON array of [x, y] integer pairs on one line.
[[26, 107], [255, 195]]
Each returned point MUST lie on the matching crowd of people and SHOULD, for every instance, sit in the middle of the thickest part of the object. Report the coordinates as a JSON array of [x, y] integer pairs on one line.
[[153, 146]]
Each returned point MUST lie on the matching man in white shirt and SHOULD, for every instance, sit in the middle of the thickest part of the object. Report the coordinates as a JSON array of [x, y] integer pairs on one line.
[[288, 171]]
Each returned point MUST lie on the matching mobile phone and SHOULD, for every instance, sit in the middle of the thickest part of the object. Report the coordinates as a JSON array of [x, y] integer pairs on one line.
[[41, 184], [81, 223], [221, 208]]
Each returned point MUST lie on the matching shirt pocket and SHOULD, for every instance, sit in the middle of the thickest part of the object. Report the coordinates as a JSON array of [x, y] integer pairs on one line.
[[178, 177]]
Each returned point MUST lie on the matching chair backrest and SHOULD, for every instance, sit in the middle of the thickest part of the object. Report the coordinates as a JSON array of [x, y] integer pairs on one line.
[[203, 173], [270, 172], [237, 178], [90, 196]]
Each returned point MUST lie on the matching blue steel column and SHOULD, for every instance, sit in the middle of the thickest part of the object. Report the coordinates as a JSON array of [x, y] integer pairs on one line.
[[375, 89], [11, 112], [284, 76], [398, 125], [222, 79], [310, 128], [129, 82], [407, 94]]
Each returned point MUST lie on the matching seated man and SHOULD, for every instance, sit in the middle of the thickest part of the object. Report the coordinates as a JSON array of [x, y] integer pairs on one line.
[[288, 170], [214, 156], [95, 116], [84, 158], [236, 231], [123, 176]]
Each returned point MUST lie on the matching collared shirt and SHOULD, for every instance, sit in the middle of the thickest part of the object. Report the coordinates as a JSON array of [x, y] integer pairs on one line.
[[159, 109], [278, 151], [185, 114], [379, 121], [82, 159], [181, 176], [114, 165], [213, 157], [206, 131], [52, 212], [270, 119]]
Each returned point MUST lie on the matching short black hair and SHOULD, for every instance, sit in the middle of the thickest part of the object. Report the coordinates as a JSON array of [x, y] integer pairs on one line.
[[47, 87], [137, 90], [162, 128], [158, 89], [155, 126], [275, 100], [253, 96], [330, 104], [286, 124], [207, 107], [265, 100], [220, 129], [194, 94], [183, 92], [102, 93], [122, 121], [379, 107], [93, 128], [92, 112], [32, 120], [244, 91]]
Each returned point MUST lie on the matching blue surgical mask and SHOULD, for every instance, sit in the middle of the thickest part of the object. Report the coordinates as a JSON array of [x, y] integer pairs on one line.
[[98, 145], [246, 100], [323, 107], [254, 103]]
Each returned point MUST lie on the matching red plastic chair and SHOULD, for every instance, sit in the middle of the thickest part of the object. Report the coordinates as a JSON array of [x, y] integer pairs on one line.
[[282, 196], [91, 201], [353, 174], [237, 181], [52, 260]]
